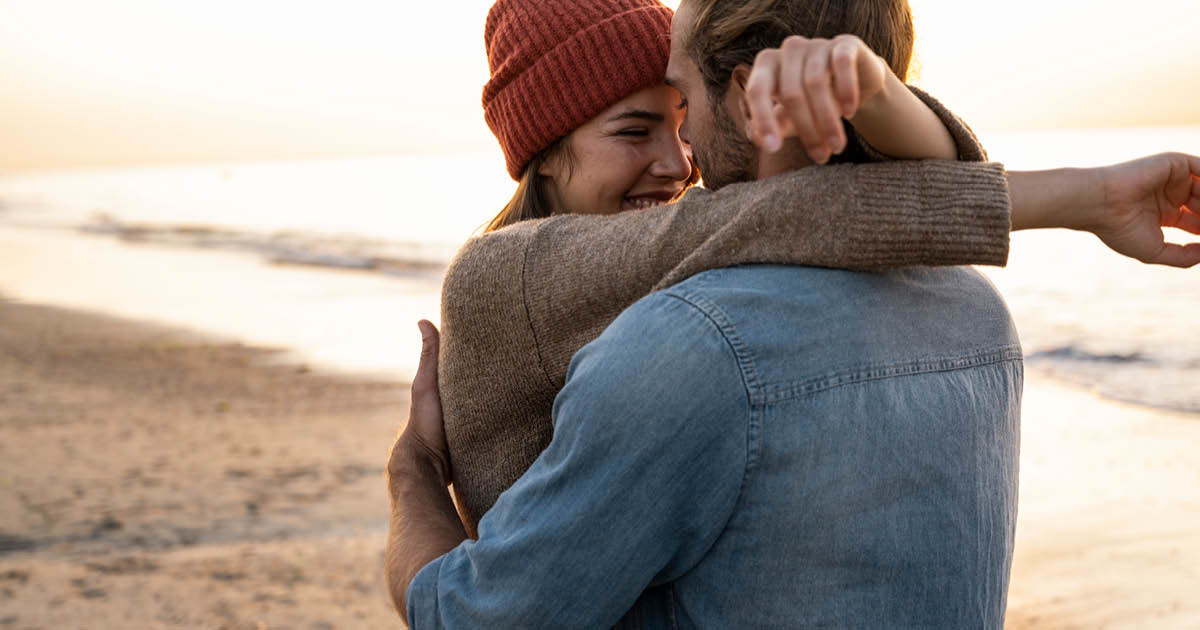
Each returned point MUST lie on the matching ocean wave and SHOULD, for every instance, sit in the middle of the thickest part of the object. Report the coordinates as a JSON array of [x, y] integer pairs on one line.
[[1137, 377], [286, 248]]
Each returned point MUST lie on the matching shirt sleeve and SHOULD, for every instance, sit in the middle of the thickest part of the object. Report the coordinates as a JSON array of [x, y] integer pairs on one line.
[[649, 454]]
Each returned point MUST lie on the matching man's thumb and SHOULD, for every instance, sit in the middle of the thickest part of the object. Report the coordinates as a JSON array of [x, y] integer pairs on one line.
[[427, 368]]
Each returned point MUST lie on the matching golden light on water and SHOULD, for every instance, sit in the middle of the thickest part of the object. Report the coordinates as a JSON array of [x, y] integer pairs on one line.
[[140, 80]]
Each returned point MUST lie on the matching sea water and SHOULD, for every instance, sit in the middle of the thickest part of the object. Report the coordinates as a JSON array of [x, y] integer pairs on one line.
[[1085, 315]]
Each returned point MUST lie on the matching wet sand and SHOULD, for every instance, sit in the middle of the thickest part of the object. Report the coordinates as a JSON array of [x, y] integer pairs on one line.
[[153, 478]]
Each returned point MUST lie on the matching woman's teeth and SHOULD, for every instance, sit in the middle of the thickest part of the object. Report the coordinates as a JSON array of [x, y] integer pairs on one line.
[[642, 203]]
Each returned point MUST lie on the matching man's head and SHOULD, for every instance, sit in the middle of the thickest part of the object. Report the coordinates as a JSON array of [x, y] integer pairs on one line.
[[712, 39]]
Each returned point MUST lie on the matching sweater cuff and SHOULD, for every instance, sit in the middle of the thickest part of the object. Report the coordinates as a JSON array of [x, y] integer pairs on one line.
[[956, 214]]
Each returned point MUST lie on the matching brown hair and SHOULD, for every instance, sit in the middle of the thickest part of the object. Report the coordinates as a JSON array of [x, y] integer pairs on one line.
[[726, 34], [529, 200]]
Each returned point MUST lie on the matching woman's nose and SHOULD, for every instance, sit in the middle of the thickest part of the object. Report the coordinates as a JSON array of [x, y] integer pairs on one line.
[[675, 161]]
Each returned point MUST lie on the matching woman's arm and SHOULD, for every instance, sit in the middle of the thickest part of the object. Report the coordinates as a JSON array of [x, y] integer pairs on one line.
[[1125, 205], [518, 303], [806, 87]]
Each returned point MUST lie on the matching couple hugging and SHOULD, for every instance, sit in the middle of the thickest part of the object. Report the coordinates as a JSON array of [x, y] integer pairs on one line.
[[776, 401]]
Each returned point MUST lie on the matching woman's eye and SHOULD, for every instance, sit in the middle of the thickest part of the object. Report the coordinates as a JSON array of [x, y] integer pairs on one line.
[[682, 104], [635, 132]]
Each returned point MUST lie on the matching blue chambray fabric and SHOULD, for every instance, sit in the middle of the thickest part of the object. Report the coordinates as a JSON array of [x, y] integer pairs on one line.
[[764, 447]]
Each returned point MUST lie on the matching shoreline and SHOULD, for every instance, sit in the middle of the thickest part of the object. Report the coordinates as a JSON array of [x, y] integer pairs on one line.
[[157, 478], [354, 323]]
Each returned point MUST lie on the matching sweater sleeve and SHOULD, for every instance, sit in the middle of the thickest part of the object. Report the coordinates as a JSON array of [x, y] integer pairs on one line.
[[580, 272], [518, 303]]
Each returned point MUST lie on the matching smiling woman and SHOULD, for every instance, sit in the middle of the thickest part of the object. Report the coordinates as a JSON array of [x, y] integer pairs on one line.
[[628, 157], [580, 110]]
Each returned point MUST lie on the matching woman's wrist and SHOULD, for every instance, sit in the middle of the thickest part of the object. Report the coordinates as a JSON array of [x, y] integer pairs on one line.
[[1071, 198], [898, 124]]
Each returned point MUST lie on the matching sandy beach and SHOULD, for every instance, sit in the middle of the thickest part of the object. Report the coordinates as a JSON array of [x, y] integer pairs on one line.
[[153, 478]]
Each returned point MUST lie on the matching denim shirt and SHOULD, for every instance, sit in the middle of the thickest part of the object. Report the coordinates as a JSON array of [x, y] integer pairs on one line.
[[764, 447]]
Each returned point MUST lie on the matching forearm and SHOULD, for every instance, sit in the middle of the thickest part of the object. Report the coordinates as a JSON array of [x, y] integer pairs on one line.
[[1059, 198], [898, 124], [424, 524]]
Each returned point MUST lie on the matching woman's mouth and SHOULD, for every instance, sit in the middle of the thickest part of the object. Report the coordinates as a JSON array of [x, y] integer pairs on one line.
[[647, 201]]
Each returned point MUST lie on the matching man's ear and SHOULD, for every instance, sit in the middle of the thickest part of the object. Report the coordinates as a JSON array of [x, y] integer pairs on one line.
[[736, 96]]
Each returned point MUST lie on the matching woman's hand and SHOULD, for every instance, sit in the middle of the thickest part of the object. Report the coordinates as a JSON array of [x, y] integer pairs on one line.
[[1143, 196], [806, 87], [425, 434], [1127, 205]]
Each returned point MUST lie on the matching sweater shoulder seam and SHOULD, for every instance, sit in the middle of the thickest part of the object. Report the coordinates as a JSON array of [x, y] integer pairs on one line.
[[537, 346]]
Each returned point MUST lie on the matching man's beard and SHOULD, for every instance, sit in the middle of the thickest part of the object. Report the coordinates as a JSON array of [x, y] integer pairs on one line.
[[728, 157]]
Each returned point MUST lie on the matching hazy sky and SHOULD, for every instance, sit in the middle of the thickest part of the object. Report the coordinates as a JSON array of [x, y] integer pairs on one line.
[[132, 81]]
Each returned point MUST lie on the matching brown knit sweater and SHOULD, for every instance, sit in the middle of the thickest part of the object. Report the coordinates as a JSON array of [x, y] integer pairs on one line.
[[518, 303]]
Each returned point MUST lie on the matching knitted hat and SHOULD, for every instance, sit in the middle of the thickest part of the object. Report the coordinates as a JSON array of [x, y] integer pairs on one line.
[[556, 64]]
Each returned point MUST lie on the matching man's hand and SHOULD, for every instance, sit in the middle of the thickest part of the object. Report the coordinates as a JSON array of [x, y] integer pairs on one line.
[[806, 87], [425, 433], [424, 524], [1146, 195]]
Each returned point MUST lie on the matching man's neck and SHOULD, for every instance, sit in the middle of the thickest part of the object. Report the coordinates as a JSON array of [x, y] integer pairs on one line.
[[791, 157]]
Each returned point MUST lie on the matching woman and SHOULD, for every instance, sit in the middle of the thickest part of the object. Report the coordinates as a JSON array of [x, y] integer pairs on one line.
[[518, 302]]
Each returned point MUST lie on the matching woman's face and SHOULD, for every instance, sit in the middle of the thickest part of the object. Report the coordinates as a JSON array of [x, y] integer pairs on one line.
[[629, 157]]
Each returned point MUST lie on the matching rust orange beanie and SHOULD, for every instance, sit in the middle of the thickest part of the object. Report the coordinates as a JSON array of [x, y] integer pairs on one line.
[[556, 64]]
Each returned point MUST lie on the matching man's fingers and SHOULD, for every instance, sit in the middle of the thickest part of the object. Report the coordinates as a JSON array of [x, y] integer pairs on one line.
[[425, 381], [826, 114], [844, 63], [1182, 256], [760, 94]]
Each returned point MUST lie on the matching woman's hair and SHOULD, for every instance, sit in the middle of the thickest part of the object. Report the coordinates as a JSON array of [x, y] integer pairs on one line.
[[529, 201], [726, 34]]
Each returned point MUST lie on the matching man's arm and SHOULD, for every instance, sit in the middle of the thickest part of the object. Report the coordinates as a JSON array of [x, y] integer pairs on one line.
[[423, 524], [649, 453]]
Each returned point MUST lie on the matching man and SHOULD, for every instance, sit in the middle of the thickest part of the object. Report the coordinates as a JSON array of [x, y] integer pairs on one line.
[[753, 447]]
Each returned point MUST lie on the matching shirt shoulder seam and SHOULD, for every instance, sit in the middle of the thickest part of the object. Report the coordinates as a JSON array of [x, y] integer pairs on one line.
[[751, 383]]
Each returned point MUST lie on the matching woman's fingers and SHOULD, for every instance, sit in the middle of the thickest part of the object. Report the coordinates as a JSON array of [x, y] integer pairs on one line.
[[1182, 256], [826, 114], [1193, 202], [1189, 221], [760, 96], [844, 64], [796, 107]]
